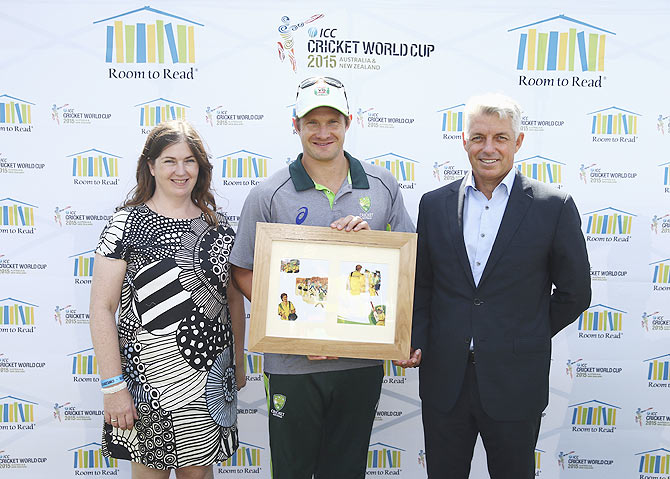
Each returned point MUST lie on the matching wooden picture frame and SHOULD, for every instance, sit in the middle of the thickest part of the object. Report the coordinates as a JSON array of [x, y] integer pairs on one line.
[[348, 294]]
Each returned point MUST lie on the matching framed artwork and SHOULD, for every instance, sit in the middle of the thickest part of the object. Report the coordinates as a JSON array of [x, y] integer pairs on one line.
[[323, 292]]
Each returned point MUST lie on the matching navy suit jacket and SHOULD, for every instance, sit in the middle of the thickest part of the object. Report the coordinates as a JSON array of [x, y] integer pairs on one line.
[[512, 314]]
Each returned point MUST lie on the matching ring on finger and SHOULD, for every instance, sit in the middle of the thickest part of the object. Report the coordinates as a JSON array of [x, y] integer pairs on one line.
[[115, 420]]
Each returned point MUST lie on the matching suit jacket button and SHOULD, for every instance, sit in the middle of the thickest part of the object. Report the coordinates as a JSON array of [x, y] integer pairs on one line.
[[478, 302]]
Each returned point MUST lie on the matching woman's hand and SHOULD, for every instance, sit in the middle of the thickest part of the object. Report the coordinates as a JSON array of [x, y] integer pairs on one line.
[[240, 376], [120, 410], [238, 325]]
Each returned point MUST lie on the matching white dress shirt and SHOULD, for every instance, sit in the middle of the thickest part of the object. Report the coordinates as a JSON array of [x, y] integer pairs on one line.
[[481, 220]]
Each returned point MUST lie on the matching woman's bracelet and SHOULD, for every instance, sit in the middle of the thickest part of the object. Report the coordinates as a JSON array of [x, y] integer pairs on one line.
[[114, 389], [105, 383]]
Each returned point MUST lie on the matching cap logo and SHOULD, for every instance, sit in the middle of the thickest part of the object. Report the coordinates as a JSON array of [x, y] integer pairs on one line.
[[322, 91]]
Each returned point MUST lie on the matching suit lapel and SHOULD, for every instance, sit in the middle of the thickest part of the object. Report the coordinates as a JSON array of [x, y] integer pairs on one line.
[[520, 199], [454, 209]]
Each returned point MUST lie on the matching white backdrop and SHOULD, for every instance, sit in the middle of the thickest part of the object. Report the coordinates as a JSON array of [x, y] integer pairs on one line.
[[81, 84]]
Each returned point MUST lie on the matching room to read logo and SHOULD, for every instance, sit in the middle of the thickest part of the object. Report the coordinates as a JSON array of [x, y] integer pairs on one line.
[[542, 169], [253, 363], [246, 460], [614, 125], [17, 414], [608, 225], [94, 167], [451, 121], [658, 372], [141, 42], [17, 316], [393, 374], [83, 266], [654, 464], [561, 44], [539, 453], [17, 217], [159, 110], [401, 167], [15, 114], [89, 456], [665, 176], [600, 321], [83, 366], [243, 168], [660, 275], [593, 416], [383, 458]]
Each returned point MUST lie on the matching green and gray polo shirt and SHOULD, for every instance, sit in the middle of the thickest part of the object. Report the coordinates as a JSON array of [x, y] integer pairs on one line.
[[290, 196]]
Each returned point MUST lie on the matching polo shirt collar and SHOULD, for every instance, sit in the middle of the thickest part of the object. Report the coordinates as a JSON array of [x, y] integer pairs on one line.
[[302, 181], [359, 179]]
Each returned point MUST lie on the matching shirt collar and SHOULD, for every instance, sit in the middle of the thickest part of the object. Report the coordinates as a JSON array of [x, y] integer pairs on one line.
[[302, 181], [508, 181]]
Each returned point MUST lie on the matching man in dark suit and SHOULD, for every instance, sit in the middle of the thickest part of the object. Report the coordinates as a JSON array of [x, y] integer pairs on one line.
[[490, 248]]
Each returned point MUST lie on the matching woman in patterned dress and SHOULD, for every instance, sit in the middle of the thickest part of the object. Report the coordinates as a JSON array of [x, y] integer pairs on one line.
[[171, 402]]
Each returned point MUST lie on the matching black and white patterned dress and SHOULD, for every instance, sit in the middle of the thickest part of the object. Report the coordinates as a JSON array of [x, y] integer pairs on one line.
[[175, 339]]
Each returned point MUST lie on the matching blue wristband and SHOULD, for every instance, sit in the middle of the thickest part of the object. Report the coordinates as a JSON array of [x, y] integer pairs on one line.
[[105, 383]]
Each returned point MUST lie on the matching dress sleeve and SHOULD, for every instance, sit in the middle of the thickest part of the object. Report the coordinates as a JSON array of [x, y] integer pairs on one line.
[[113, 242]]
